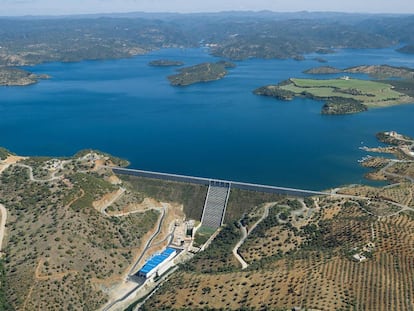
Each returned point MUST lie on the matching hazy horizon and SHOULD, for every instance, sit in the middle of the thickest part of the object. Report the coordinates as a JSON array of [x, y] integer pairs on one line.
[[73, 7]]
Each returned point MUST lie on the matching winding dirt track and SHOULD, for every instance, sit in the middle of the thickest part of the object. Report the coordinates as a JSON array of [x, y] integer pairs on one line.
[[245, 234], [2, 224], [31, 177]]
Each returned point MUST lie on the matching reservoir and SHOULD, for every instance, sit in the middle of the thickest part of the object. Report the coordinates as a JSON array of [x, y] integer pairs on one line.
[[217, 129]]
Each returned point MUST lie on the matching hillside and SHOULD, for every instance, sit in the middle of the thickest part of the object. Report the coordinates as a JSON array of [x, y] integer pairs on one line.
[[67, 244], [351, 250], [233, 35]]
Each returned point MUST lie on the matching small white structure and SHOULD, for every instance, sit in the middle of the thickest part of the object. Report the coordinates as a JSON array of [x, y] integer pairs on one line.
[[359, 257]]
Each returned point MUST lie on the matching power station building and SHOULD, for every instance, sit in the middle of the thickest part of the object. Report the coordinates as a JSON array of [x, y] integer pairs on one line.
[[158, 264]]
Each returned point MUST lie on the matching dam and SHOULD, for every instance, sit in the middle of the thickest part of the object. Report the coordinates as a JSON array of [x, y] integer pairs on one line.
[[218, 191]]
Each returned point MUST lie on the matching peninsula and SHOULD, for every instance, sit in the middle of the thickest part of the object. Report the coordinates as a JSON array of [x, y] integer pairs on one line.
[[18, 77], [204, 72], [399, 170], [374, 71], [341, 96]]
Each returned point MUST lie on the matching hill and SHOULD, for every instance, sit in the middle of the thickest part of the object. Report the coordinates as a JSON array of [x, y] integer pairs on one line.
[[74, 229], [233, 35]]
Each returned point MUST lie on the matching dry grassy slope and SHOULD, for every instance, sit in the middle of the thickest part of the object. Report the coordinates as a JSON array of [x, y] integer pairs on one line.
[[318, 274], [192, 196], [60, 250]]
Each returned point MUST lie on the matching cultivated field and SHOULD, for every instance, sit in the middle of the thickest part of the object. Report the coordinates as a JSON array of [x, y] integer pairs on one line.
[[367, 92]]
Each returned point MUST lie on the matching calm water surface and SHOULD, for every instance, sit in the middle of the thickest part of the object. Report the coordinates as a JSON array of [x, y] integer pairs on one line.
[[218, 129]]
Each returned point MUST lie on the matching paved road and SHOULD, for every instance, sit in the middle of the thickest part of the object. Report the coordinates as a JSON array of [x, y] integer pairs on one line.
[[391, 163], [149, 241], [237, 246], [147, 246], [2, 224]]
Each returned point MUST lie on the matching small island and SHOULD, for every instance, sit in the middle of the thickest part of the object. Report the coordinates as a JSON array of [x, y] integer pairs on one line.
[[204, 72], [323, 70], [18, 77], [320, 60], [341, 96], [165, 63], [325, 51]]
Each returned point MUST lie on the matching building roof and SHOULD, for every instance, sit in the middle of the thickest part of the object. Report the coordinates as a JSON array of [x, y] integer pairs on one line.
[[360, 257], [156, 260]]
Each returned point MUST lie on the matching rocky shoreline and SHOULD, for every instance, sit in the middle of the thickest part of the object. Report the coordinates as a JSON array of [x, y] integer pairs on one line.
[[18, 77]]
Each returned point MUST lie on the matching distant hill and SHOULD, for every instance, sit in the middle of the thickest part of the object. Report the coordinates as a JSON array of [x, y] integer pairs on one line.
[[234, 35]]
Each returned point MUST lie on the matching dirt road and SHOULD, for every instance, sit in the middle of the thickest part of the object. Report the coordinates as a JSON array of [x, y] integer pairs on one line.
[[2, 224]]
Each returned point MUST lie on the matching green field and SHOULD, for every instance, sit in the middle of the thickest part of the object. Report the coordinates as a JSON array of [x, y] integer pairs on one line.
[[370, 93], [202, 235]]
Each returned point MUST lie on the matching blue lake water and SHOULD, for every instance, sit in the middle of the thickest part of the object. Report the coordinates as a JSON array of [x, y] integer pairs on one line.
[[217, 129]]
